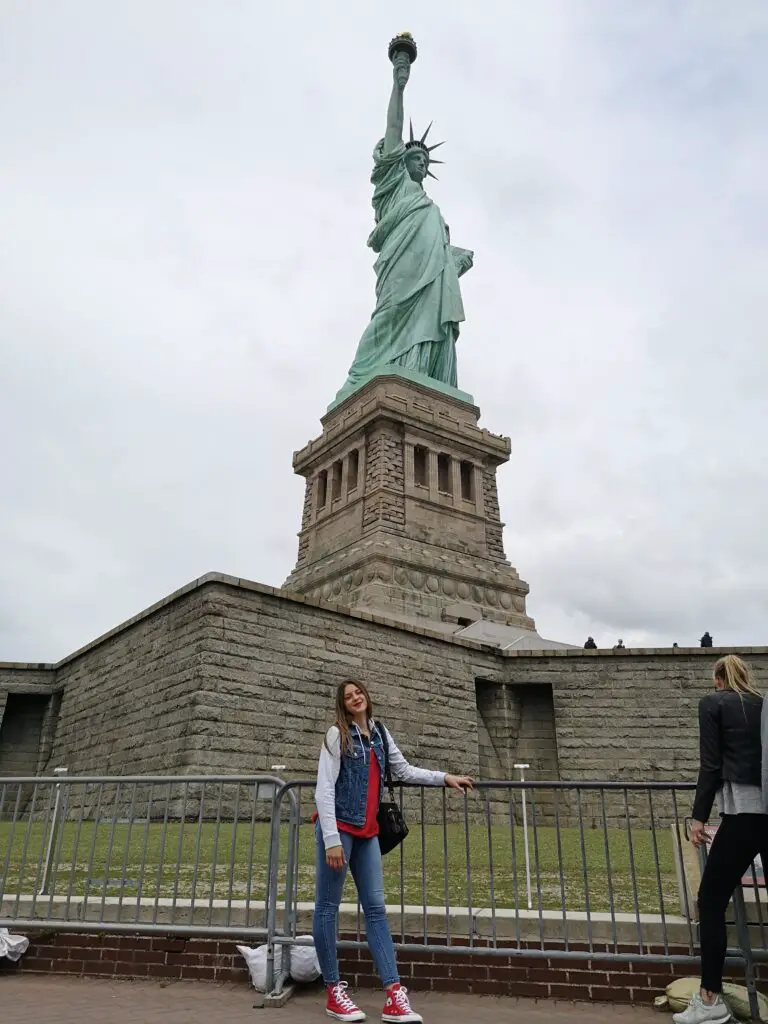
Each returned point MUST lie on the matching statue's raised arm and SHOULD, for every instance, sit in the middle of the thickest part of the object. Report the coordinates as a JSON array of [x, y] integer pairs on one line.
[[401, 70]]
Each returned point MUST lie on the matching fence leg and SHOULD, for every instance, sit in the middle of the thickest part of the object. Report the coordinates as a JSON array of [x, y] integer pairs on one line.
[[742, 928], [277, 992]]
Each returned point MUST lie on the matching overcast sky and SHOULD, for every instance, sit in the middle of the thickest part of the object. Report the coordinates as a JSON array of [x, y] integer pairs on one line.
[[184, 205]]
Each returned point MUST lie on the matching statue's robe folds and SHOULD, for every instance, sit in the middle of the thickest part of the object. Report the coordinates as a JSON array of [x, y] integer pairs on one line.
[[418, 300]]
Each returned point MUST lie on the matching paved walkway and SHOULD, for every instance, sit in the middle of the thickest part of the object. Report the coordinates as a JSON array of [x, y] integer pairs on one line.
[[33, 999]]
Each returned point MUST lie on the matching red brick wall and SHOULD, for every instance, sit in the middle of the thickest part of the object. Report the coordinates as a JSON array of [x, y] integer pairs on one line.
[[134, 956], [582, 979]]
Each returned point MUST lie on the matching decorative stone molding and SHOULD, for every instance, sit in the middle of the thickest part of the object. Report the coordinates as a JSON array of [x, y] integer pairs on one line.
[[405, 547]]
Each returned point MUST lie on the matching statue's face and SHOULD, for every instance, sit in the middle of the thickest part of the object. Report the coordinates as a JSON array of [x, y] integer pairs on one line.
[[417, 162]]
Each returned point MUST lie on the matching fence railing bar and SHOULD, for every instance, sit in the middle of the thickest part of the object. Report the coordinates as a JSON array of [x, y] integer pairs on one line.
[[92, 851], [161, 856], [515, 883], [491, 879], [632, 872], [423, 831], [468, 861], [537, 867], [25, 848], [75, 851], [110, 847], [144, 849], [292, 867], [233, 853], [41, 885], [251, 844], [609, 872], [561, 872], [198, 842], [657, 866], [446, 889], [11, 839], [126, 855], [533, 951], [585, 874], [215, 853], [681, 861]]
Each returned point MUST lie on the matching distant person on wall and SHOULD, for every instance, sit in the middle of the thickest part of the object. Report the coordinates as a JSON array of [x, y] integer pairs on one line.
[[732, 737], [590, 645], [350, 778], [706, 640], [619, 646]]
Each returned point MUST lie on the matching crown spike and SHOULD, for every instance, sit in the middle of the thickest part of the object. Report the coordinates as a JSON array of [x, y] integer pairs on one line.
[[431, 175], [412, 138], [436, 161], [426, 133], [436, 145]]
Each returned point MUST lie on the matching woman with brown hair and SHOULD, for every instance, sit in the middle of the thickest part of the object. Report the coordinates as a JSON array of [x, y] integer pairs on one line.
[[731, 739], [350, 778]]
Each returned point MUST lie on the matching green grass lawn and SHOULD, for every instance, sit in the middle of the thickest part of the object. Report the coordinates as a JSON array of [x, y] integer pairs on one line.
[[231, 862]]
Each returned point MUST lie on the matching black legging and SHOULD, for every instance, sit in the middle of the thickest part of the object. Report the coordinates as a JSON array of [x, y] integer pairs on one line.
[[737, 842]]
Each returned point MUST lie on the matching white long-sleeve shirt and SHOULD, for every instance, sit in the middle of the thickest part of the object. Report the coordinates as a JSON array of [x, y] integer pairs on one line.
[[328, 770]]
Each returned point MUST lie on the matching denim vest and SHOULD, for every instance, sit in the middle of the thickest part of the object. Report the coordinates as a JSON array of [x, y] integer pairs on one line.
[[352, 783]]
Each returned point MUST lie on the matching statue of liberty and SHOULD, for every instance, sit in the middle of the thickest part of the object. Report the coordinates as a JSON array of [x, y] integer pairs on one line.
[[415, 324]]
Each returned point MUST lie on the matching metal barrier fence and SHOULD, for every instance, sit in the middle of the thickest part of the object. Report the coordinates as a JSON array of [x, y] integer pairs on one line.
[[191, 855], [554, 870], [543, 869]]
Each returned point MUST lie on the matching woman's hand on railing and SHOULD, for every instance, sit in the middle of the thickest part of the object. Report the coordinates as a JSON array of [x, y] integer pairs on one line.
[[462, 782]]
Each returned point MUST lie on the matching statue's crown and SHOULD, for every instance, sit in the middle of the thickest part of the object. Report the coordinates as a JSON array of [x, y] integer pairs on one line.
[[422, 144]]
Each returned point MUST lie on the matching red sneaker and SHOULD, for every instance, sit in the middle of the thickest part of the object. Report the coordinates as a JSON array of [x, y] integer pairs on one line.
[[340, 1006], [397, 1008]]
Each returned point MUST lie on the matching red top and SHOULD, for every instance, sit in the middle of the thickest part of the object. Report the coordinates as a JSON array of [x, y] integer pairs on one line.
[[370, 827]]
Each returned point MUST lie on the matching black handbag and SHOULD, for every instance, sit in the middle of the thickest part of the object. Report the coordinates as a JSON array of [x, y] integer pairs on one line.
[[392, 826]]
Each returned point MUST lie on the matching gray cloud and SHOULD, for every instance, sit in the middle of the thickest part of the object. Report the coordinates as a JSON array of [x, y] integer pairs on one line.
[[183, 280]]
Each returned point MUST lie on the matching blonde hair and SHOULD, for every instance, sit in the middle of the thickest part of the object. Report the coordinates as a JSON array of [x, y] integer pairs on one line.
[[736, 675]]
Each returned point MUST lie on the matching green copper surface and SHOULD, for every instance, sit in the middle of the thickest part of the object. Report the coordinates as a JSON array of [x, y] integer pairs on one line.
[[415, 324]]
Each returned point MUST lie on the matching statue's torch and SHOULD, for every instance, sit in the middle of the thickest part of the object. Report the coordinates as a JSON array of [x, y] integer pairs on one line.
[[403, 43]]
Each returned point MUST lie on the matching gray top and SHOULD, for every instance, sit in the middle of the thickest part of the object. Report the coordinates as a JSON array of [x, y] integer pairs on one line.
[[740, 798]]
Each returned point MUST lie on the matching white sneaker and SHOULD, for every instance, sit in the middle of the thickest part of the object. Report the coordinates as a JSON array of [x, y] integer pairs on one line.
[[699, 1012]]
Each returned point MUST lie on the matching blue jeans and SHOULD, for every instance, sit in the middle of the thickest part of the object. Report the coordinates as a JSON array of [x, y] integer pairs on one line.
[[363, 857]]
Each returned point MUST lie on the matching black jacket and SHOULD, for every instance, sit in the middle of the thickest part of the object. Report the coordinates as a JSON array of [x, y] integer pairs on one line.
[[730, 745]]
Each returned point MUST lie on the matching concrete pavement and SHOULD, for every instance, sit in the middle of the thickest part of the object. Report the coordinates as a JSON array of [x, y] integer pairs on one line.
[[36, 999]]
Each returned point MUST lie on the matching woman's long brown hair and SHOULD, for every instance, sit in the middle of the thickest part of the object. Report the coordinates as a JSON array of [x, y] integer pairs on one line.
[[341, 717]]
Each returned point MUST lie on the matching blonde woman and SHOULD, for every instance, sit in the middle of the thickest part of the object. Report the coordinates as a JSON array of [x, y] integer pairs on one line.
[[731, 734]]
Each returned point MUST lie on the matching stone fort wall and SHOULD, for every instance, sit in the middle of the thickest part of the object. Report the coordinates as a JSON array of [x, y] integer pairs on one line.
[[232, 677]]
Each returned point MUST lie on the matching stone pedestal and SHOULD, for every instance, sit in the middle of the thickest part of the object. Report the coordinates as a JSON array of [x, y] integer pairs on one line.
[[401, 510]]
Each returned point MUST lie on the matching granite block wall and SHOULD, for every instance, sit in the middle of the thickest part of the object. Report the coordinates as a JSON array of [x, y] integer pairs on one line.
[[127, 699], [229, 676]]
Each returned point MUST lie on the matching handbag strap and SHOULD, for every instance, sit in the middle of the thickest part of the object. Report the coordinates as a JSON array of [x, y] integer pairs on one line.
[[387, 770]]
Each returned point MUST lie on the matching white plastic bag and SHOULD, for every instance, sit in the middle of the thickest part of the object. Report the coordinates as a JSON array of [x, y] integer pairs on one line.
[[305, 967], [12, 946], [257, 964], [303, 960]]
